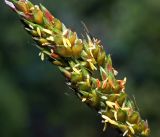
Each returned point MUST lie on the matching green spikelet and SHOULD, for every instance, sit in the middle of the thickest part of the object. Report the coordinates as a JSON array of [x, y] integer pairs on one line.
[[80, 61]]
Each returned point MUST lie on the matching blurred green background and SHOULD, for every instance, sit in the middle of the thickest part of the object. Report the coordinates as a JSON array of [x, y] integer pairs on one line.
[[35, 102]]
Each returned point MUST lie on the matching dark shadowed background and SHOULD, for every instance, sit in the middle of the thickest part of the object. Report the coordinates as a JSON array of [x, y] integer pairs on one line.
[[35, 102]]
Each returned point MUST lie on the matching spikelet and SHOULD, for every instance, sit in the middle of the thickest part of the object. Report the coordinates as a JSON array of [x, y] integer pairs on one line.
[[79, 60]]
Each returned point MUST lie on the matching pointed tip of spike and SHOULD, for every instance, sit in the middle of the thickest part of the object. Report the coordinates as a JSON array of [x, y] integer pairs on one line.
[[10, 4]]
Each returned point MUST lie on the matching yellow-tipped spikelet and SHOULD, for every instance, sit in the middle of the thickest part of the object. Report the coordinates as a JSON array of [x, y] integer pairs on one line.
[[79, 60]]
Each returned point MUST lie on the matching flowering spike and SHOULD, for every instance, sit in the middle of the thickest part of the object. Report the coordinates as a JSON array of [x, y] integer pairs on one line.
[[81, 61]]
